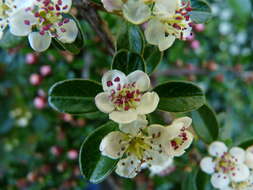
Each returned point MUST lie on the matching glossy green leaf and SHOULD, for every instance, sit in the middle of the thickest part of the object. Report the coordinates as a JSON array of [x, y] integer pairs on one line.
[[189, 182], [93, 165], [130, 38], [128, 62], [179, 96], [201, 11], [203, 181], [77, 45], [246, 143], [205, 124], [9, 40], [152, 56], [74, 96]]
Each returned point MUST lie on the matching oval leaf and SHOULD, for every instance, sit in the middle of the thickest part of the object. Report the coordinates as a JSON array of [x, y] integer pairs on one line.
[[178, 96], [152, 56], [245, 144], [128, 62], [131, 38], [189, 182], [201, 11], [205, 124], [74, 96], [93, 165]]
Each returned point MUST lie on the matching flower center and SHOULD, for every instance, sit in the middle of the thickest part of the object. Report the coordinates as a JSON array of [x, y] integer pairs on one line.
[[226, 163], [138, 146]]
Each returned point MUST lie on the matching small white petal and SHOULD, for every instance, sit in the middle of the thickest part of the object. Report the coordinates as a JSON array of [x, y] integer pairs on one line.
[[159, 135], [39, 42], [166, 43], [128, 167], [217, 149], [158, 159], [134, 127], [141, 79], [103, 102], [238, 154], [67, 4], [157, 169], [220, 180], [112, 5], [123, 116], [114, 145], [240, 173], [187, 121], [155, 32], [68, 32], [207, 165], [136, 12], [166, 7], [110, 80], [148, 103]]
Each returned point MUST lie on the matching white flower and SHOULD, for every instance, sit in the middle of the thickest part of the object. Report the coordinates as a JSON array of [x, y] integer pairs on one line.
[[112, 5], [226, 167], [164, 169], [170, 21], [249, 157], [125, 97], [136, 147], [43, 20]]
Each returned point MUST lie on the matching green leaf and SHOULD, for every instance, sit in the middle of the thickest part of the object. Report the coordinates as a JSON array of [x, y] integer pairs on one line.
[[95, 167], [130, 38], [203, 181], [246, 143], [74, 96], [152, 56], [205, 124], [77, 45], [179, 96], [201, 11], [189, 182], [9, 40], [128, 62], [242, 8]]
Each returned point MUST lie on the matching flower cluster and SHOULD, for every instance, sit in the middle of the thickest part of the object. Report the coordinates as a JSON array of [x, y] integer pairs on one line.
[[230, 169], [40, 20], [166, 20], [127, 101]]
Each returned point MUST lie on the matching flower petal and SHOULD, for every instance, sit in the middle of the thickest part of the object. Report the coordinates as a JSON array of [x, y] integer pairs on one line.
[[136, 12], [114, 145], [249, 157], [240, 173], [148, 103], [217, 149], [39, 42], [186, 121], [112, 5], [207, 165], [165, 7], [68, 32], [103, 102], [17, 23], [166, 43], [112, 79], [238, 154], [155, 157], [140, 79], [128, 167], [66, 5], [220, 180], [134, 127], [157, 169], [155, 32], [123, 116]]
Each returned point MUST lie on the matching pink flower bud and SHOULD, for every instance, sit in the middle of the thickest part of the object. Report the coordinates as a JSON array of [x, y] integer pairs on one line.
[[72, 154], [31, 58], [195, 44], [45, 70], [199, 27], [41, 93], [39, 102], [55, 150], [35, 79]]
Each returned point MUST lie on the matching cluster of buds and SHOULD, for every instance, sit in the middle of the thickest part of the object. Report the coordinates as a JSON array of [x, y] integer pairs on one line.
[[21, 117]]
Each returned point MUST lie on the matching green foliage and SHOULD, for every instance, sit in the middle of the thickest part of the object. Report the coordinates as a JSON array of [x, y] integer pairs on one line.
[[201, 11], [242, 8], [9, 40], [205, 124], [152, 56], [246, 143], [93, 165], [179, 96], [189, 182], [74, 96]]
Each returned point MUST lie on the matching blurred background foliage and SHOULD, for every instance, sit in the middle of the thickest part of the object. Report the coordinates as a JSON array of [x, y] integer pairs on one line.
[[39, 147]]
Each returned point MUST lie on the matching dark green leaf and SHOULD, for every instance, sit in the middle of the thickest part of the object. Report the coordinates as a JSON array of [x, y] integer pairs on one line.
[[74, 96], [179, 96], [9, 40], [152, 56], [203, 181], [130, 38], [205, 124], [189, 182], [245, 144], [201, 11], [128, 62], [93, 165]]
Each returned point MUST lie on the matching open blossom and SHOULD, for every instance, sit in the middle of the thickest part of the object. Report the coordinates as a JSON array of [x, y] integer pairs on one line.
[[126, 97], [171, 21], [43, 20], [138, 144], [226, 167]]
